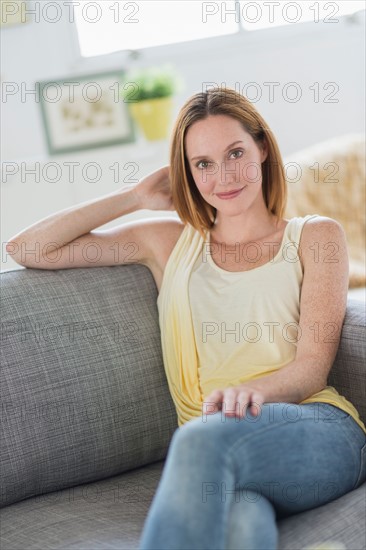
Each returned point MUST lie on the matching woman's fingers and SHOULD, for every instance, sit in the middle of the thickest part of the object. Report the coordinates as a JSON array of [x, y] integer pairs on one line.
[[213, 402], [257, 401], [234, 401]]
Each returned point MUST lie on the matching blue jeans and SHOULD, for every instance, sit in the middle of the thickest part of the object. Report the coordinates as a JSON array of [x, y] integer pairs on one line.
[[227, 480]]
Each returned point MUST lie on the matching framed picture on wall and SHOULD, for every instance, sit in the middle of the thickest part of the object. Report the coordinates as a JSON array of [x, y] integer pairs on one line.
[[85, 112]]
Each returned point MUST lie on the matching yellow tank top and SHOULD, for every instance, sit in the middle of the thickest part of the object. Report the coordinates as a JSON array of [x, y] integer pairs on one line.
[[221, 328]]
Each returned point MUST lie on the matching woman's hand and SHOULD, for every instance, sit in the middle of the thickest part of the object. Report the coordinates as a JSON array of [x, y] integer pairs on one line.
[[153, 192], [234, 401]]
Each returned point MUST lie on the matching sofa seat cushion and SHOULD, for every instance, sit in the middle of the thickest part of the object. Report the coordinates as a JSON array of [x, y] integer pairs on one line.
[[104, 514], [343, 520], [110, 514]]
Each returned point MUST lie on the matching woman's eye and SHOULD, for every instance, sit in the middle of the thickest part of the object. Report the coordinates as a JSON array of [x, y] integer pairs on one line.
[[201, 163]]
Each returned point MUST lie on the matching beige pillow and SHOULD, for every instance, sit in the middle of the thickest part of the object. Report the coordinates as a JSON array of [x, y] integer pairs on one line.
[[329, 179]]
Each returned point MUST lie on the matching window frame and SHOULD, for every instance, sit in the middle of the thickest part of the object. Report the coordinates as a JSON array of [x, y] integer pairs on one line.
[[183, 51]]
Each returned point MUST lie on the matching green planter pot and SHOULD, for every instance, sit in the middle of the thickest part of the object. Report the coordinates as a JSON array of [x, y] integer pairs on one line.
[[153, 116]]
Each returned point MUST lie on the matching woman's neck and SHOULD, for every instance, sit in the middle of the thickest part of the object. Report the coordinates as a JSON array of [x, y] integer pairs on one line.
[[245, 231]]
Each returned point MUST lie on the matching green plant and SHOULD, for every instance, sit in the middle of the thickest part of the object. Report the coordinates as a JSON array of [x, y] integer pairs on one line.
[[150, 83]]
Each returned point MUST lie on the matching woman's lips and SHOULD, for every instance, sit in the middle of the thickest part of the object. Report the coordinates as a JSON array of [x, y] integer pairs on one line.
[[231, 195]]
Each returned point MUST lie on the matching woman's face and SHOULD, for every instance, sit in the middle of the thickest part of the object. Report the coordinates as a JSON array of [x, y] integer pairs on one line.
[[223, 157]]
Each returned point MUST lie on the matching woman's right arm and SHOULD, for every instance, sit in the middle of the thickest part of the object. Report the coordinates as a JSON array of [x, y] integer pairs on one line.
[[65, 239]]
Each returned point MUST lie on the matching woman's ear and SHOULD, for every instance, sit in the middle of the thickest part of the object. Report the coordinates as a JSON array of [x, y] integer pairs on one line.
[[264, 151]]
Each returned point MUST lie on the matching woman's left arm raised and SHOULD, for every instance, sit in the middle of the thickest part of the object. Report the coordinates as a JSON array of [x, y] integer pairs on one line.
[[323, 300]]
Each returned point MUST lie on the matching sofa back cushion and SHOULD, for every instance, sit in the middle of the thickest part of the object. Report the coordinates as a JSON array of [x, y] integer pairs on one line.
[[83, 386]]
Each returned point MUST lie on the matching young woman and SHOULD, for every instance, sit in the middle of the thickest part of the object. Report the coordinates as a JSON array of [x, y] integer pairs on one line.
[[251, 307]]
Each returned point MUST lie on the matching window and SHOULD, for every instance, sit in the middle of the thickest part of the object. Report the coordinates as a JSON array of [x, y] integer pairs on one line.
[[261, 15], [135, 25], [108, 26]]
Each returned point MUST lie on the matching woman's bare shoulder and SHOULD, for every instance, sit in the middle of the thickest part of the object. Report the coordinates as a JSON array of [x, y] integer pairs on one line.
[[167, 234], [321, 227], [322, 239], [163, 238]]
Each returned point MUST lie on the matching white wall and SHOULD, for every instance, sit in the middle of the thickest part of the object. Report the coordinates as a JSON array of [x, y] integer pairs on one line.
[[305, 54]]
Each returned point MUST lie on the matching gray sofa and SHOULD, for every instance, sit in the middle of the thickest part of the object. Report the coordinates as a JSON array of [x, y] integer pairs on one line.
[[87, 416]]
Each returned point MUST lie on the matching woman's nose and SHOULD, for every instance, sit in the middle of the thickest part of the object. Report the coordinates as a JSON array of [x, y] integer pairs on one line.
[[230, 172]]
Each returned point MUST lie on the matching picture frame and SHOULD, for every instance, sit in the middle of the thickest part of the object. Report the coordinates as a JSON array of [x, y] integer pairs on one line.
[[85, 112]]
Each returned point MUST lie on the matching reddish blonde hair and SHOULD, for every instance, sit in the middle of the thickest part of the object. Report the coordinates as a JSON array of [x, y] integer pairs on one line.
[[188, 202]]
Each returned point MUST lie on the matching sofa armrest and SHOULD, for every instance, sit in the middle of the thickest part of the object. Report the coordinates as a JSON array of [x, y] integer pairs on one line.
[[348, 374]]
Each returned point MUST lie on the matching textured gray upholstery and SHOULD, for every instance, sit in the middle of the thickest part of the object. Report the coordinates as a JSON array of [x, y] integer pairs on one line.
[[87, 415], [110, 514], [348, 374], [84, 391]]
